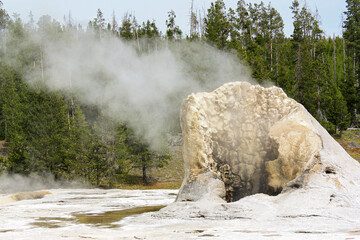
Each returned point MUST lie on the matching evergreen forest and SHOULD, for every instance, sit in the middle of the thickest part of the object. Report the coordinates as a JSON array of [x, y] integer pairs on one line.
[[53, 132]]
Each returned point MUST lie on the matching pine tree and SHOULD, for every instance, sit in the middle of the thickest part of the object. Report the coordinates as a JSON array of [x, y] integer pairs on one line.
[[217, 27], [149, 35], [126, 29], [46, 130], [352, 26], [173, 31], [4, 18], [98, 24], [12, 114], [352, 37], [338, 111], [242, 25], [98, 162], [114, 25], [78, 140], [235, 41], [305, 36], [274, 35], [141, 155], [49, 28], [194, 24]]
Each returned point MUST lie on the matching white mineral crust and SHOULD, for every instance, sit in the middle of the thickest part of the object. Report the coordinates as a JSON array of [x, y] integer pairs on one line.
[[243, 139]]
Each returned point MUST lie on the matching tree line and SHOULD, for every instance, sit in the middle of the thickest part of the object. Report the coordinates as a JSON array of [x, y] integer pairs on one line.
[[319, 71], [53, 132]]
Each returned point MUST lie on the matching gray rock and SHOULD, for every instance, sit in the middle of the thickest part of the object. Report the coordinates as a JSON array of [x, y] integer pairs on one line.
[[353, 145]]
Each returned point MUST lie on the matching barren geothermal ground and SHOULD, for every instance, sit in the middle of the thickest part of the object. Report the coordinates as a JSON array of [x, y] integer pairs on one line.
[[119, 214], [257, 166], [78, 213]]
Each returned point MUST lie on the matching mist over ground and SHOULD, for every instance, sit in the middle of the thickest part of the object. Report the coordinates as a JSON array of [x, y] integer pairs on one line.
[[11, 183], [144, 89]]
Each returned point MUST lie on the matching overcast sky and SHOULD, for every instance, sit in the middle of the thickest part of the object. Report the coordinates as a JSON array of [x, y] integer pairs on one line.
[[84, 10]]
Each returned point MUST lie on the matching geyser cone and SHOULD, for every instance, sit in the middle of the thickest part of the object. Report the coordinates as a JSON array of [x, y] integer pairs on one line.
[[240, 140]]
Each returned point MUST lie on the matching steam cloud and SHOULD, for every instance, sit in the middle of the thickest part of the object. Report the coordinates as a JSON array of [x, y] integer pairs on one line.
[[17, 183], [143, 90]]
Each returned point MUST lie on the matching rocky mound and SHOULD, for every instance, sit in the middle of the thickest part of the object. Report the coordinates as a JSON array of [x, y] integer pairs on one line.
[[241, 140]]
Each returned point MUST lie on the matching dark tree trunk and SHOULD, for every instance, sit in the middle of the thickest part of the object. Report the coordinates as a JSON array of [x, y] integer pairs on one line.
[[145, 180]]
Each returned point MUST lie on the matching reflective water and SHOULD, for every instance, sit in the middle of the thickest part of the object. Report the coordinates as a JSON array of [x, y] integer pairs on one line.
[[107, 219]]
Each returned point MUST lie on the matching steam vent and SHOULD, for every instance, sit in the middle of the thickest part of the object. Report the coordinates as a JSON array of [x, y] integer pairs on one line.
[[242, 139]]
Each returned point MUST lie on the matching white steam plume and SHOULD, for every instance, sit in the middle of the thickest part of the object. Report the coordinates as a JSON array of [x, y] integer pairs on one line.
[[18, 183], [145, 91]]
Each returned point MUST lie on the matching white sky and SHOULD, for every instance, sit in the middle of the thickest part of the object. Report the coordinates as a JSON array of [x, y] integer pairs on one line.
[[84, 10]]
